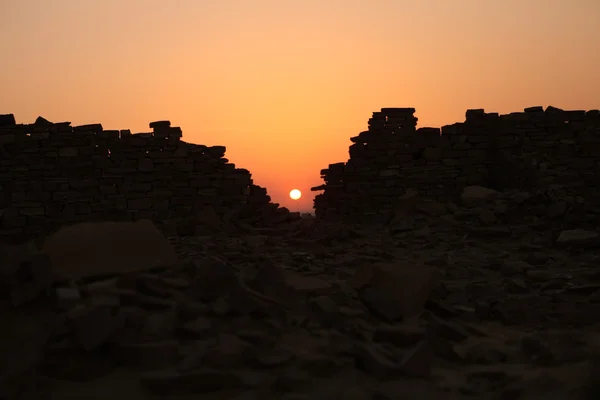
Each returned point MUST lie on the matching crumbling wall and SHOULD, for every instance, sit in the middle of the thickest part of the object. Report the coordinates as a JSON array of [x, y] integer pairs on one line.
[[534, 148], [53, 174]]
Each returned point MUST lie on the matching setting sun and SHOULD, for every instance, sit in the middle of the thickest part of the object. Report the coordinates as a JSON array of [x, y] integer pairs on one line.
[[295, 194]]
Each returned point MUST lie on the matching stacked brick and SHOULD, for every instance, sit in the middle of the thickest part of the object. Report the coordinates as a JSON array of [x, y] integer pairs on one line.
[[53, 174], [521, 150]]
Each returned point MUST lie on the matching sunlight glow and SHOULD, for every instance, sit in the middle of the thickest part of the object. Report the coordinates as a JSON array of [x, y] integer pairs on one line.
[[295, 194]]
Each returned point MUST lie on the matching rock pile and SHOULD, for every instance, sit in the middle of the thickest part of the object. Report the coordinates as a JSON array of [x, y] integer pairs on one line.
[[426, 306], [531, 149], [53, 174]]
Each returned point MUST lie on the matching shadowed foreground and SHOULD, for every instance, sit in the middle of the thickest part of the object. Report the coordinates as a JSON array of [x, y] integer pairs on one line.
[[488, 298]]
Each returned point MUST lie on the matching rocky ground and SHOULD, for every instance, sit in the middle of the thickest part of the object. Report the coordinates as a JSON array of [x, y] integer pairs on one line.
[[497, 297]]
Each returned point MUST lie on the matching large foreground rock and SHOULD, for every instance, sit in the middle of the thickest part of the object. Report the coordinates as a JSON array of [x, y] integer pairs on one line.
[[108, 248]]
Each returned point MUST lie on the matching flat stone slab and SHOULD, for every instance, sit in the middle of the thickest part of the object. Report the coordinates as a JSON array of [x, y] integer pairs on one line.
[[108, 248]]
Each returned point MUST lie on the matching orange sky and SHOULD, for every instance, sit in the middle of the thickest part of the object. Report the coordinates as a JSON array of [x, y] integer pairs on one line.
[[284, 84]]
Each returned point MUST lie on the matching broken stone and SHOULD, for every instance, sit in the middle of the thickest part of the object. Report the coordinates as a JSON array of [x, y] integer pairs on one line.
[[274, 357], [416, 363], [172, 383], [67, 297], [577, 237], [230, 351], [449, 330], [160, 325], [211, 280], [198, 327], [93, 326], [481, 354], [487, 217], [207, 221], [271, 282], [374, 361], [474, 196], [80, 250], [393, 291], [149, 355], [401, 336], [31, 277], [106, 300], [76, 365], [305, 283]]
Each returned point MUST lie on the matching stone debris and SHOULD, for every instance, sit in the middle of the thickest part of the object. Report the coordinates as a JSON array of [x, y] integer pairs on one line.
[[312, 309]]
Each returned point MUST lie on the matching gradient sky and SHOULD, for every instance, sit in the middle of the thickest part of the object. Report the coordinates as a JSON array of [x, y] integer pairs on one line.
[[284, 84]]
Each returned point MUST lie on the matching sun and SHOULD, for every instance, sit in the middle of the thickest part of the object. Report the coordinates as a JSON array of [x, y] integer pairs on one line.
[[295, 194]]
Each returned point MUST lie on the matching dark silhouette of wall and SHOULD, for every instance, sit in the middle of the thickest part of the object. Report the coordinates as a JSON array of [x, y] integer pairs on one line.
[[53, 174], [521, 150]]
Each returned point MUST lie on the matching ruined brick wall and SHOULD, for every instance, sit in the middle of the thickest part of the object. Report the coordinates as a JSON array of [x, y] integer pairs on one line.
[[534, 148], [55, 174]]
